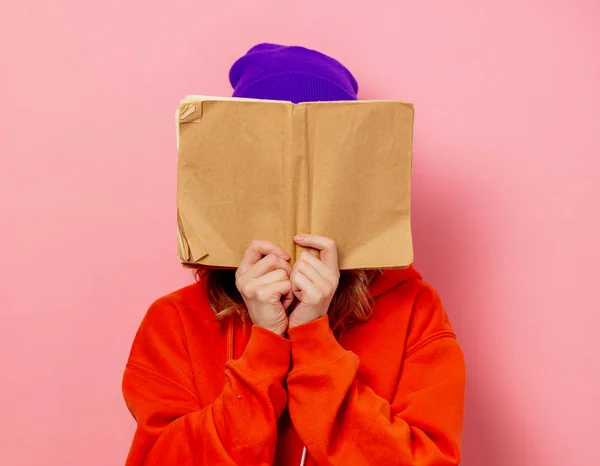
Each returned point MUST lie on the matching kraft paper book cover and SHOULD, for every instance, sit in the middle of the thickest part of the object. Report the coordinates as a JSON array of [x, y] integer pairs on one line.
[[255, 169]]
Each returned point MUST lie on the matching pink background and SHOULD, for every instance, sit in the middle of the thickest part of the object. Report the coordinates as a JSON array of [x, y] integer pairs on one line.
[[506, 194]]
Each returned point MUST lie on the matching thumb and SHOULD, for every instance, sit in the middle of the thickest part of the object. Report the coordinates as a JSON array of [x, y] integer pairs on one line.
[[287, 300]]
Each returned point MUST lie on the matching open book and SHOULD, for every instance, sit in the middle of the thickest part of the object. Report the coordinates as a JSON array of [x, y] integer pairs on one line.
[[256, 169]]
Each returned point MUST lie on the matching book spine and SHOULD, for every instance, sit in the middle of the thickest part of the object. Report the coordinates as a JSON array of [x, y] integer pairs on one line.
[[298, 178]]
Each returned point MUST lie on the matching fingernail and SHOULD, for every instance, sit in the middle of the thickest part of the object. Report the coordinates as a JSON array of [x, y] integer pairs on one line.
[[298, 237]]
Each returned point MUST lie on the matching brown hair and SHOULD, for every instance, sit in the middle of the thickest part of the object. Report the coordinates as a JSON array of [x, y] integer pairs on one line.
[[351, 304]]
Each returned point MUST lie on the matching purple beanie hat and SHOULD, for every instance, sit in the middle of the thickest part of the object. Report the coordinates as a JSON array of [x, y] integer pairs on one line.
[[296, 74]]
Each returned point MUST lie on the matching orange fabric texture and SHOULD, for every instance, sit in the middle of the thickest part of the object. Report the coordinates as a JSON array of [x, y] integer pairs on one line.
[[390, 391]]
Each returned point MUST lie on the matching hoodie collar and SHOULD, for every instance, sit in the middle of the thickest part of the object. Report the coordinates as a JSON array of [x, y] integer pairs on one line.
[[390, 278]]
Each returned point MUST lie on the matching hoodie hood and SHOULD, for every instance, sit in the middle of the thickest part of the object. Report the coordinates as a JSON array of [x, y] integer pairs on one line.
[[391, 278]]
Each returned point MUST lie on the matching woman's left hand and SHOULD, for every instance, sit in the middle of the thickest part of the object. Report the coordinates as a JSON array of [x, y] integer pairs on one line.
[[314, 280]]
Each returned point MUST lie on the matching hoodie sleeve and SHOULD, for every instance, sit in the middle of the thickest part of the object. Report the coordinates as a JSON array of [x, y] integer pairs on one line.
[[173, 427], [343, 421]]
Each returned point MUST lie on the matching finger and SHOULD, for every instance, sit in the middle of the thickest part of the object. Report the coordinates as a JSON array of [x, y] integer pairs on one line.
[[257, 250], [288, 299], [273, 276], [284, 288], [278, 290], [301, 283], [328, 274], [326, 246], [267, 264], [309, 271], [324, 286]]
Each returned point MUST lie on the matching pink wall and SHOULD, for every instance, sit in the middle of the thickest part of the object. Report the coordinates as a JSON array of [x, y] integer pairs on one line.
[[506, 190]]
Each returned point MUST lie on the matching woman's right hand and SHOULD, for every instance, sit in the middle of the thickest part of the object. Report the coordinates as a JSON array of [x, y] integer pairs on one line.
[[263, 280]]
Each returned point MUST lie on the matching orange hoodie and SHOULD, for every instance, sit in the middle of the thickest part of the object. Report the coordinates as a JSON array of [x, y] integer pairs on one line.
[[389, 392]]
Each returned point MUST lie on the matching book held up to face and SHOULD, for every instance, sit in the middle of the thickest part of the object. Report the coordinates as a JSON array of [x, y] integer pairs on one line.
[[257, 169]]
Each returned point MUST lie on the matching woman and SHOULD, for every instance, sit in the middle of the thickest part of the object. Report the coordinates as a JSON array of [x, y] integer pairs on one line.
[[274, 364]]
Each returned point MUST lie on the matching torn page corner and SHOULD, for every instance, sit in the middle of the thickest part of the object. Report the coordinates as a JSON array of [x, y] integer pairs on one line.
[[189, 111], [183, 247], [191, 249]]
